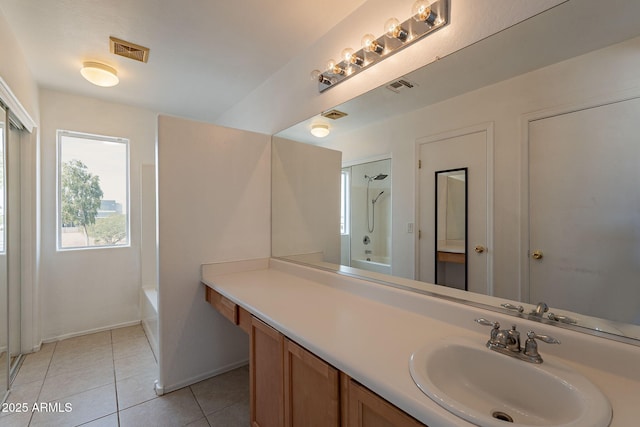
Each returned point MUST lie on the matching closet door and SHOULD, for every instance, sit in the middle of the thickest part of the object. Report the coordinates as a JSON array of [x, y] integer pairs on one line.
[[4, 314], [584, 210]]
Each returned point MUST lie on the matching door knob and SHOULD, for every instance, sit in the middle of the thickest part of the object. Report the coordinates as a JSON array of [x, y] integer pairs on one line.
[[479, 249], [536, 255]]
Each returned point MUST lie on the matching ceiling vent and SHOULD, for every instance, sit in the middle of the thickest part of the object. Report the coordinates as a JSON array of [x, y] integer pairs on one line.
[[128, 50], [333, 114], [400, 85]]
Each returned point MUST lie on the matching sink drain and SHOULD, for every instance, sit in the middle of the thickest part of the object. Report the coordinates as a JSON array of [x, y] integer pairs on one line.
[[499, 415]]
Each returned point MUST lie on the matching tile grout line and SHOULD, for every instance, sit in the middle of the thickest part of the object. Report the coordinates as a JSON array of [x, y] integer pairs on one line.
[[55, 346], [199, 406], [115, 379]]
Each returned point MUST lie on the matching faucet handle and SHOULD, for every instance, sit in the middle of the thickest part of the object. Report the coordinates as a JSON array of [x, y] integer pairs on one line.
[[543, 338], [509, 306], [531, 346], [560, 318], [485, 322]]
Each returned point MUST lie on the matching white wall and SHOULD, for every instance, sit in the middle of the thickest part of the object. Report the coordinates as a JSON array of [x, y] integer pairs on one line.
[[290, 96], [15, 71], [85, 290], [213, 206], [16, 75], [606, 73], [306, 207]]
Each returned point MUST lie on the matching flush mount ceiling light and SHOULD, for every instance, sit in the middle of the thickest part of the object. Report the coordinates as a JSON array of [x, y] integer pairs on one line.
[[320, 130], [99, 74], [426, 17]]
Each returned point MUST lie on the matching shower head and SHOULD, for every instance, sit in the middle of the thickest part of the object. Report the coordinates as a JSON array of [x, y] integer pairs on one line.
[[378, 177]]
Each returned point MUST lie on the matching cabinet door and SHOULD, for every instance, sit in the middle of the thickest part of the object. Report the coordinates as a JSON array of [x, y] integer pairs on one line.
[[266, 375], [365, 409], [311, 393]]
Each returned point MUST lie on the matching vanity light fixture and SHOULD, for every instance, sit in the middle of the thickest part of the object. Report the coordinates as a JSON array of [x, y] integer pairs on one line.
[[426, 17], [320, 130], [99, 74]]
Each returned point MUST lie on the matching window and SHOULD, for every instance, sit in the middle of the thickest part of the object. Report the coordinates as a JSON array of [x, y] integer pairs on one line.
[[344, 201], [93, 191]]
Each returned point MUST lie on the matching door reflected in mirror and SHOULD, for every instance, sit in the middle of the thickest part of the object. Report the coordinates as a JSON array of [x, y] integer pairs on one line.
[[451, 228]]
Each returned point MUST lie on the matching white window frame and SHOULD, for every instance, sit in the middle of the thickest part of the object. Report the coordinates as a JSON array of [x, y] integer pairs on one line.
[[101, 138]]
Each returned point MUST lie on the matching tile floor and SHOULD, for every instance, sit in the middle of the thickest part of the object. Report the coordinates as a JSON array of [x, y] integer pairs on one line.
[[107, 378]]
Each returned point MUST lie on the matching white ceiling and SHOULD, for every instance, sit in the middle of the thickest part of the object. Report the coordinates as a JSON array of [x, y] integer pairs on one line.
[[206, 55]]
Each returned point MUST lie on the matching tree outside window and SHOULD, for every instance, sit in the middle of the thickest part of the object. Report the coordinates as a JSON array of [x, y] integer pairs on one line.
[[93, 191]]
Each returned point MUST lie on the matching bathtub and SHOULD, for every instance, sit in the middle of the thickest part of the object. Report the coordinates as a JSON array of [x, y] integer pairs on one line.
[[149, 309], [377, 264]]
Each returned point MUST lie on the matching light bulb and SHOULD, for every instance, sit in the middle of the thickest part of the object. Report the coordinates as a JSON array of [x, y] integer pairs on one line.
[[393, 29], [334, 68], [351, 58], [370, 44], [315, 74], [422, 12]]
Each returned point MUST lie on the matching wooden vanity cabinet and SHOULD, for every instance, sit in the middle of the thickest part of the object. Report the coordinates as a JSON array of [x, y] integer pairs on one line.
[[289, 386], [363, 408], [266, 375], [232, 311], [311, 389]]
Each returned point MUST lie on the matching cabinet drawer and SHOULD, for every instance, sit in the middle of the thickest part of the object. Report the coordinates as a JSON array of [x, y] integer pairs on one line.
[[224, 305]]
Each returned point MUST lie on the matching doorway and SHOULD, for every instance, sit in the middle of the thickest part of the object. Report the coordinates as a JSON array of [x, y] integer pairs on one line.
[[584, 210], [469, 266]]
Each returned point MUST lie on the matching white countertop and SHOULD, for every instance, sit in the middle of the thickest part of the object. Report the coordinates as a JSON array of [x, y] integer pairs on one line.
[[369, 331]]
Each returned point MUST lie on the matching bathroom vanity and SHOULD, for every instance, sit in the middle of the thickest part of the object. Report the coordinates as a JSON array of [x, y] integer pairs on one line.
[[331, 346]]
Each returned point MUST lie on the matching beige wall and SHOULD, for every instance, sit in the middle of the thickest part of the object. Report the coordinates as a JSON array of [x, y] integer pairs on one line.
[[214, 205], [306, 205], [84, 290], [607, 73]]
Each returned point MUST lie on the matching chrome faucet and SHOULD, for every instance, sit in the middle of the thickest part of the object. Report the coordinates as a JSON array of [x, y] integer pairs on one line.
[[540, 309], [507, 341]]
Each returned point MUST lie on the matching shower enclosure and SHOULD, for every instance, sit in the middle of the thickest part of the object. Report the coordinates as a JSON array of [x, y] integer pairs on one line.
[[366, 241]]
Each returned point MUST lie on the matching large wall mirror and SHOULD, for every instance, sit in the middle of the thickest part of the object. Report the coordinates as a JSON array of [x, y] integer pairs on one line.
[[543, 119]]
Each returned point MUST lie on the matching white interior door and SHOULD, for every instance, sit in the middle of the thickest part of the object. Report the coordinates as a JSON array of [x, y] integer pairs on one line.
[[584, 211], [459, 149]]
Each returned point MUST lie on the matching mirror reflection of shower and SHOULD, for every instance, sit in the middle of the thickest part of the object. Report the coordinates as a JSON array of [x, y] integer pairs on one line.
[[371, 219], [366, 239]]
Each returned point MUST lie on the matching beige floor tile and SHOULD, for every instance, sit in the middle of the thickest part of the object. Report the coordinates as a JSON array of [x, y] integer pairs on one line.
[[20, 394], [77, 381], [67, 363], [16, 420], [108, 421], [172, 410], [136, 389], [44, 354], [87, 406], [132, 347], [200, 423], [23, 393], [129, 332], [35, 370], [223, 390], [84, 342], [236, 415], [136, 365]]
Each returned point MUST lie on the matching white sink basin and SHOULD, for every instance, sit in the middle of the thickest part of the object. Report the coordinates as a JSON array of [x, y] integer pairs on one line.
[[487, 388]]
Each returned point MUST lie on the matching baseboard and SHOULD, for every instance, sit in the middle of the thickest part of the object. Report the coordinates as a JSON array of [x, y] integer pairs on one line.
[[160, 389], [90, 331]]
